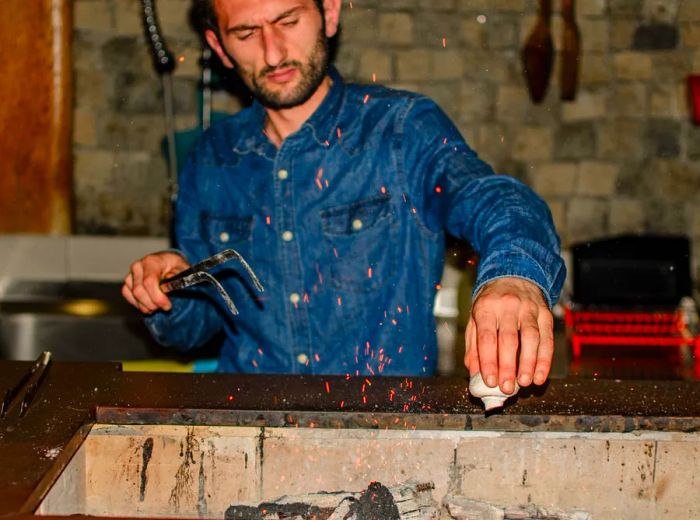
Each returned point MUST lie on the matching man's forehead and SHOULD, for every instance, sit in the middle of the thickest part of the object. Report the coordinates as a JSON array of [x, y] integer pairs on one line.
[[250, 11]]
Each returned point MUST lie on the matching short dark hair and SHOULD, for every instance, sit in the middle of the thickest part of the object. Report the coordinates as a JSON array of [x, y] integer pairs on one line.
[[204, 15]]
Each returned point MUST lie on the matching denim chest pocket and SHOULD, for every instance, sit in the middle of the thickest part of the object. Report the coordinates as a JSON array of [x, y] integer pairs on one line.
[[228, 232], [361, 239]]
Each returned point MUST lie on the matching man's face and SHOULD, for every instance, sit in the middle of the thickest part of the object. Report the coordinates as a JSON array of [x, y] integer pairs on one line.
[[278, 47]]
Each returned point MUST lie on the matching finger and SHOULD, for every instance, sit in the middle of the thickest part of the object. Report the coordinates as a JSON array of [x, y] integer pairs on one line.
[[529, 346], [545, 352], [507, 351], [471, 357], [145, 303], [158, 297], [487, 345], [128, 296], [129, 281]]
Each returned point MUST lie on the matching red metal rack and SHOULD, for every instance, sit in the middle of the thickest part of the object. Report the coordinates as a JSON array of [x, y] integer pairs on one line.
[[637, 328]]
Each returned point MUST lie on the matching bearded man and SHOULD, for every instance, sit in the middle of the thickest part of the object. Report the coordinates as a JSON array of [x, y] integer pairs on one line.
[[339, 196]]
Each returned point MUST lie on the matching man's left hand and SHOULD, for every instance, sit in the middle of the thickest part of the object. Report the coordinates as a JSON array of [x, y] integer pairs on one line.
[[511, 329]]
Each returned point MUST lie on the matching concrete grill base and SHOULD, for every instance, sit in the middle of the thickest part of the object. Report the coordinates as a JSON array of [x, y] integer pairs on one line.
[[199, 471]]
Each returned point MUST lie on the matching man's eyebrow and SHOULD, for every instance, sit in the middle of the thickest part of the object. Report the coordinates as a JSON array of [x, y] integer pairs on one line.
[[248, 27]]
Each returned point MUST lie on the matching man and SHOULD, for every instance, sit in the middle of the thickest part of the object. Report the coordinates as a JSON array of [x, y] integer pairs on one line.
[[339, 195]]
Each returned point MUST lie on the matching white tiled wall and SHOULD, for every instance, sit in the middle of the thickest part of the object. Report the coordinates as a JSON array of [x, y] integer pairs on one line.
[[48, 258]]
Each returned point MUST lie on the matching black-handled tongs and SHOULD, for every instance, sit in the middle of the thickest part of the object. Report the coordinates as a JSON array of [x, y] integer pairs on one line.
[[198, 273], [34, 377]]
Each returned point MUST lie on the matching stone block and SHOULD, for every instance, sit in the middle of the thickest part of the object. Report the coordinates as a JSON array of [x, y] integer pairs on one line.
[[696, 60], [622, 33], [575, 141], [675, 180], [588, 105], [128, 18], [174, 18], [621, 139], [626, 7], [297, 460], [90, 89], [92, 168], [668, 100], [633, 66], [84, 129], [558, 210], [629, 100], [509, 6], [473, 33], [664, 217], [476, 102], [693, 144], [533, 144], [606, 473], [432, 29], [126, 54], [586, 218], [555, 179], [626, 216], [595, 68], [597, 178], [690, 34], [492, 143], [591, 7], [92, 16], [375, 65], [670, 65], [413, 65], [662, 138], [597, 35], [396, 28], [512, 103], [447, 64], [688, 11], [359, 26], [502, 33], [131, 132], [437, 5]]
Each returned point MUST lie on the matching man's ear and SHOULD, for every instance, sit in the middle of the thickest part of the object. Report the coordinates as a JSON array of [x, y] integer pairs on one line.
[[215, 44], [331, 12]]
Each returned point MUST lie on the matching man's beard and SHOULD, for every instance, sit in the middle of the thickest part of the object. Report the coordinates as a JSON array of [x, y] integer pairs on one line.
[[312, 74]]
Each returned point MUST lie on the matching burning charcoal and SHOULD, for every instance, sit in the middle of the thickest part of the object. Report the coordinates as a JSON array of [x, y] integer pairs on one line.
[[243, 513], [375, 503]]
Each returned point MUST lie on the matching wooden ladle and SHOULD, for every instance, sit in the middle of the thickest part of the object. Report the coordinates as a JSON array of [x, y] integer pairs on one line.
[[538, 53]]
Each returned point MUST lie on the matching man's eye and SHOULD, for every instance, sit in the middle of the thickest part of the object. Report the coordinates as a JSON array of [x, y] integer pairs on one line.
[[289, 23], [244, 35]]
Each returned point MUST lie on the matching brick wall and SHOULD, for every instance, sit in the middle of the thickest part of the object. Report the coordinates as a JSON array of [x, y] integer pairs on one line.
[[624, 157]]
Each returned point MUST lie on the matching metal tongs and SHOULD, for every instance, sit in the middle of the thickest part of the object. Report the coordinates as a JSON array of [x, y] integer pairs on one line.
[[34, 377], [198, 273]]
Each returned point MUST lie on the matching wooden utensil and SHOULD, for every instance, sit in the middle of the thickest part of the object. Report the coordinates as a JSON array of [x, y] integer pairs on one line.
[[538, 53], [570, 53]]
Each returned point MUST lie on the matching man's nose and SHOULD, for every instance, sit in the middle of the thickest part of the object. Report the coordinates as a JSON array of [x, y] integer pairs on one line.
[[274, 46]]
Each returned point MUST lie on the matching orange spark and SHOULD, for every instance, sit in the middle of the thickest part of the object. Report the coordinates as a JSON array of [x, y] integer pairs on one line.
[[328, 387], [444, 43], [369, 272], [438, 189], [268, 220], [383, 190], [366, 98], [317, 357], [340, 301]]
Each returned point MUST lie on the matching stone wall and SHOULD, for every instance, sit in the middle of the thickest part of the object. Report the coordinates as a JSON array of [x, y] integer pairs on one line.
[[624, 157]]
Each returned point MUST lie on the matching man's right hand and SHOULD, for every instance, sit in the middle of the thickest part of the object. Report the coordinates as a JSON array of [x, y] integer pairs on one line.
[[142, 285]]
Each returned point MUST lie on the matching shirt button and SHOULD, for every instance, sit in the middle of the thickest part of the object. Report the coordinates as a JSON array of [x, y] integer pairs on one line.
[[282, 174], [294, 298], [303, 359], [287, 236], [357, 224], [224, 237]]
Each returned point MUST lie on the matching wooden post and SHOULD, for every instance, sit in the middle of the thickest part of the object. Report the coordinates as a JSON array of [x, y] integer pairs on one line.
[[35, 116]]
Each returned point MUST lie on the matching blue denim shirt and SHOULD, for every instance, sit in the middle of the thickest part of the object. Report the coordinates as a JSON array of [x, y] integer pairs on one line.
[[344, 225]]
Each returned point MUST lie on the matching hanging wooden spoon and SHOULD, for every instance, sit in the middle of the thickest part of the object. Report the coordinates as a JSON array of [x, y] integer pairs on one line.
[[570, 52], [538, 53]]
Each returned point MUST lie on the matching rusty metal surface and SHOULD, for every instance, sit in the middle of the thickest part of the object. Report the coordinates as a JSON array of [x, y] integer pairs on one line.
[[74, 395]]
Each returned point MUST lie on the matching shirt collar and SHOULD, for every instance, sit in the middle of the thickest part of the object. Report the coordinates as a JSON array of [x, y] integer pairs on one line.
[[322, 123]]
